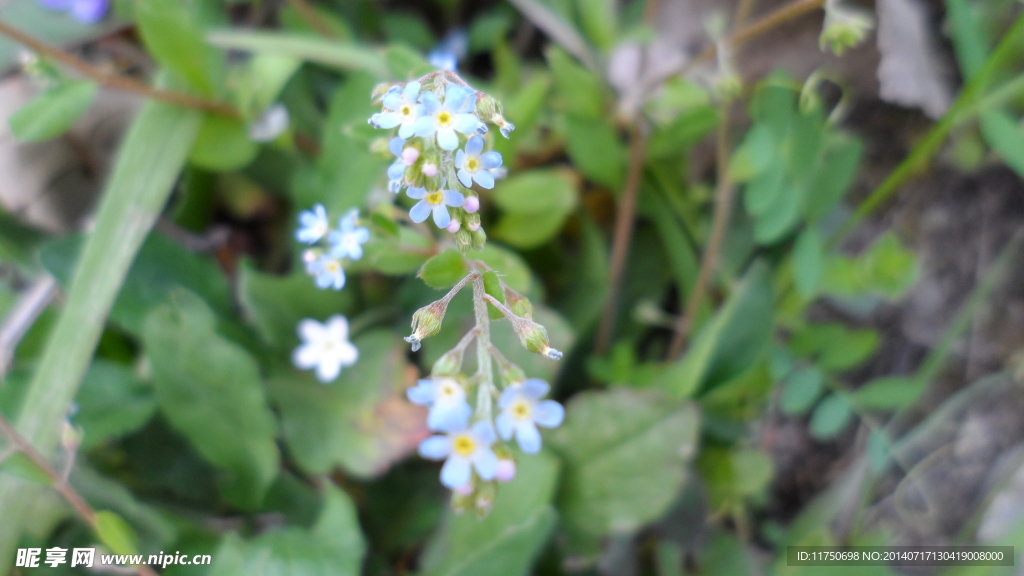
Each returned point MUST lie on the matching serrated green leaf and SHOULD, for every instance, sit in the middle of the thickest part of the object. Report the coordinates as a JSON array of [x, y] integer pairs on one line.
[[626, 471], [830, 417], [116, 534], [444, 270], [53, 112], [808, 256], [210, 390]]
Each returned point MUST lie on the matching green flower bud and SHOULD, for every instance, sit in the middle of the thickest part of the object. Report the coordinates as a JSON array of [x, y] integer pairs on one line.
[[518, 304], [534, 337], [463, 240], [844, 27], [426, 322], [483, 498], [479, 238], [448, 364]]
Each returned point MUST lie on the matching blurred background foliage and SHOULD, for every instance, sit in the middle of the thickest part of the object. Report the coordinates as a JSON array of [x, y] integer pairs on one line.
[[763, 348]]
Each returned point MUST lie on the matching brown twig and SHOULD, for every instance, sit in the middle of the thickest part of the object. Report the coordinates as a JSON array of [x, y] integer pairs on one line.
[[59, 484], [768, 22], [309, 15], [719, 225], [117, 81], [623, 234]]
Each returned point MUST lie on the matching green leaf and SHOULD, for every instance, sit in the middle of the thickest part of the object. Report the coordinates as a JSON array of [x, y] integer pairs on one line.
[[690, 127], [361, 421], [529, 230], [20, 465], [492, 285], [600, 21], [53, 112], [223, 144], [888, 393], [509, 265], [115, 533], [333, 547], [835, 346], [830, 417], [625, 454], [307, 47], [596, 150], [276, 304], [801, 389], [580, 92], [210, 390], [444, 270], [404, 62], [536, 205], [1004, 135], [808, 253], [112, 403], [754, 155], [507, 541], [781, 216], [730, 342], [398, 255], [887, 268], [833, 176], [261, 80], [173, 35]]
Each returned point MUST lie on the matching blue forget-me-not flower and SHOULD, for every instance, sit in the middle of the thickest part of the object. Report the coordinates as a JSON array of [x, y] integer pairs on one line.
[[313, 224], [404, 110], [446, 399], [446, 118], [465, 448], [436, 202], [474, 166], [522, 410], [347, 241]]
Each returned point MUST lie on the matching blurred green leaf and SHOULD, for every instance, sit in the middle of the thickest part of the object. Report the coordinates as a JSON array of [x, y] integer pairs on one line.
[[580, 92], [307, 47], [492, 285], [361, 421], [18, 242], [222, 144], [488, 29], [835, 346], [173, 35], [888, 393], [53, 112], [596, 150], [1003, 133], [399, 255], [830, 417], [730, 342], [689, 128], [20, 465], [444, 270], [808, 253], [833, 176], [801, 389], [536, 205], [152, 528], [115, 533], [625, 457], [514, 272], [409, 29], [886, 268], [405, 63], [506, 542], [260, 81], [732, 474], [112, 402], [600, 21], [754, 155], [333, 547], [210, 390]]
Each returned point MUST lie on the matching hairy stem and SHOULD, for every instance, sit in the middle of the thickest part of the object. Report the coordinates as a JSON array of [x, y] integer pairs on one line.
[[116, 81], [623, 235], [484, 369]]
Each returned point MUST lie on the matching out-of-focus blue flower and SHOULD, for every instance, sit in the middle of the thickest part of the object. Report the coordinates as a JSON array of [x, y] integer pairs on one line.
[[404, 109], [407, 156], [448, 117], [448, 52], [85, 11], [522, 410], [347, 241], [474, 166], [465, 448], [446, 399], [437, 202], [328, 272], [325, 347], [313, 225]]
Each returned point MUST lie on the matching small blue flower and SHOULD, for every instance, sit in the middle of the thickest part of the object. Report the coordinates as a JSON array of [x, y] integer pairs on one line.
[[85, 11], [404, 110], [447, 53], [446, 399], [476, 167], [328, 272], [347, 241], [313, 225], [522, 412], [436, 202], [447, 118], [407, 156], [465, 448]]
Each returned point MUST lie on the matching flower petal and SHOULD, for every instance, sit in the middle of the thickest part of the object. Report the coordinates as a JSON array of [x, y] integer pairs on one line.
[[490, 159], [396, 171], [411, 91], [328, 369], [528, 437], [505, 425], [392, 100], [395, 145], [337, 328], [549, 414], [436, 447], [449, 417], [486, 463], [348, 354], [387, 120], [441, 216], [420, 211], [423, 393], [508, 395], [425, 126], [455, 472], [416, 193], [408, 127], [535, 388], [484, 179], [310, 330], [447, 139], [464, 176], [483, 432], [466, 123], [453, 198], [475, 145], [460, 159], [454, 97], [306, 357], [430, 102]]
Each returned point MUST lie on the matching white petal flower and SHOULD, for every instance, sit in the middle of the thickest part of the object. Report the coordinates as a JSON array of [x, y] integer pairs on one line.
[[325, 348]]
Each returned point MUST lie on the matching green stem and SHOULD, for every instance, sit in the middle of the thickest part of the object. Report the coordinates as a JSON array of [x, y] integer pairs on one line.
[[151, 156], [484, 369]]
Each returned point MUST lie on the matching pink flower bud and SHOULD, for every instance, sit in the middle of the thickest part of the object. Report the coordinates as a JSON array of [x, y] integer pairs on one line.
[[506, 470], [472, 204], [409, 156], [454, 226], [473, 226], [430, 169], [467, 488]]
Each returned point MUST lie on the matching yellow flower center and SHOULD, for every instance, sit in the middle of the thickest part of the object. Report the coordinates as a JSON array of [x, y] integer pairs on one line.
[[405, 110], [472, 164], [332, 266], [448, 390], [435, 198], [521, 410], [444, 118], [463, 445]]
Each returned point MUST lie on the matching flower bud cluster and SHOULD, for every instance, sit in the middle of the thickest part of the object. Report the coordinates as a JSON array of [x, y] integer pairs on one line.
[[330, 247], [844, 27], [439, 151]]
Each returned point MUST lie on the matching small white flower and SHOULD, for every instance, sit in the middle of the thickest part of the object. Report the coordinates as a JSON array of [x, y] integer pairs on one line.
[[347, 241], [476, 167], [465, 448], [313, 224], [325, 348], [522, 412], [437, 202], [271, 124], [404, 110], [448, 117], [446, 399]]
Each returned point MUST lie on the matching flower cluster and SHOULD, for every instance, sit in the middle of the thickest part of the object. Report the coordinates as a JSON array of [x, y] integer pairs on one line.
[[439, 151], [325, 261]]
